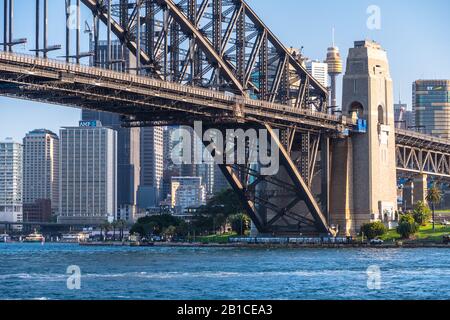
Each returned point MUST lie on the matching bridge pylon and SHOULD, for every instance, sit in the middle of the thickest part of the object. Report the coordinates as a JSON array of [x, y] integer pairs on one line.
[[363, 178]]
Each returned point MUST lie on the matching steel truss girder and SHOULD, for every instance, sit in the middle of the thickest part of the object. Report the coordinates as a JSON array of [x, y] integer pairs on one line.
[[423, 161], [130, 91], [211, 47]]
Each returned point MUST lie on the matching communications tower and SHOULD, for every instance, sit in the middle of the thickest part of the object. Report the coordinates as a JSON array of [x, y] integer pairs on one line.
[[334, 62]]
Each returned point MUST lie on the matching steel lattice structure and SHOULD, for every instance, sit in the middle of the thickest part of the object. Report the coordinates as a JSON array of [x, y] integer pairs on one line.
[[214, 61], [210, 43], [422, 154]]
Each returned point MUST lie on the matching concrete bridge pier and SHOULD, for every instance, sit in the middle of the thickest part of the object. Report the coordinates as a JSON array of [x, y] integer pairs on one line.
[[420, 188], [408, 196], [363, 179]]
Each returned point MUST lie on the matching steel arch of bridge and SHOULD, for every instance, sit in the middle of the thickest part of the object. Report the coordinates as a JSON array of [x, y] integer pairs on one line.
[[211, 43]]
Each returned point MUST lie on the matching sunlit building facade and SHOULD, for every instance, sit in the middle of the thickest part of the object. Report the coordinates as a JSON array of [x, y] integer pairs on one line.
[[431, 105], [40, 175], [11, 173], [88, 174]]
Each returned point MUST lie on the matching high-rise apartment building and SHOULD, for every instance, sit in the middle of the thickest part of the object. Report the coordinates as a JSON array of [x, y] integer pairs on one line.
[[88, 174], [40, 175], [319, 70], [11, 172], [187, 192], [431, 105]]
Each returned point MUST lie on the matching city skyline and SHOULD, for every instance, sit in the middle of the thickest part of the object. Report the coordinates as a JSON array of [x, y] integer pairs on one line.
[[422, 39], [228, 152]]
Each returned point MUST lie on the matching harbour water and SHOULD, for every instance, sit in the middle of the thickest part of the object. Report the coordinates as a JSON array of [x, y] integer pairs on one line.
[[35, 271]]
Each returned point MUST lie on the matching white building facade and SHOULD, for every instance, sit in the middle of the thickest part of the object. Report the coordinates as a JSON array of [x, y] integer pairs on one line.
[[319, 70], [187, 192], [41, 167], [11, 181], [88, 174]]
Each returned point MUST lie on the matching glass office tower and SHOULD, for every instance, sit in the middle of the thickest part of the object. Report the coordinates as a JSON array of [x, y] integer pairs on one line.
[[431, 105]]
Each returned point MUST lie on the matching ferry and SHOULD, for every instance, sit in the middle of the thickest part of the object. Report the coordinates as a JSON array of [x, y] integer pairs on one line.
[[5, 238], [34, 237], [75, 237]]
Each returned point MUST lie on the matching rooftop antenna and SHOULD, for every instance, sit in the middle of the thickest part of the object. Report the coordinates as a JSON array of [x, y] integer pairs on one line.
[[333, 36]]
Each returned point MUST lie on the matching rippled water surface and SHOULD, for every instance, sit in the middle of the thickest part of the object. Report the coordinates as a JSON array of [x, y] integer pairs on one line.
[[33, 271]]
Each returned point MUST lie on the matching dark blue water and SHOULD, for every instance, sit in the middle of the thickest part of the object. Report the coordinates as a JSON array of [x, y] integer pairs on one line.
[[33, 271]]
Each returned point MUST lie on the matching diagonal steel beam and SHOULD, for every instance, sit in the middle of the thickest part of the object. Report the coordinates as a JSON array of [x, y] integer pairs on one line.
[[116, 28], [204, 43], [311, 203]]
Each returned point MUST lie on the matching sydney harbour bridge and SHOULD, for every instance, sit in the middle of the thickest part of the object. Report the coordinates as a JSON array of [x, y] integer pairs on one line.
[[216, 61]]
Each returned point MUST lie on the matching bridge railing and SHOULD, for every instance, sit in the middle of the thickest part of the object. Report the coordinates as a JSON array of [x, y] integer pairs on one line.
[[422, 136], [228, 98], [422, 141]]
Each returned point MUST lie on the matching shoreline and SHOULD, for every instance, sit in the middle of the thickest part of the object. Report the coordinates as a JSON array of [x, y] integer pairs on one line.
[[271, 246]]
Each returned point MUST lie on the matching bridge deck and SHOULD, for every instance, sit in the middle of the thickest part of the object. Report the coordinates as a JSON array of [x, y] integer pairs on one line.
[[142, 97], [151, 101], [420, 140]]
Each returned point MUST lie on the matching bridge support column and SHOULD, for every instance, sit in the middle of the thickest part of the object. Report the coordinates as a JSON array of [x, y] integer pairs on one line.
[[364, 182], [341, 187], [420, 188], [408, 196]]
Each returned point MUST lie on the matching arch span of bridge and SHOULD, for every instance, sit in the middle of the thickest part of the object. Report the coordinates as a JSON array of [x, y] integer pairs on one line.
[[215, 61]]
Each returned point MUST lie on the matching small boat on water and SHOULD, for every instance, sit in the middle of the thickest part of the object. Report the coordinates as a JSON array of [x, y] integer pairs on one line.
[[34, 237], [5, 238]]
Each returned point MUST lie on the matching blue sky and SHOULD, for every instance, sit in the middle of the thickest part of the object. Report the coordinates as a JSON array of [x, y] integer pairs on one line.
[[414, 32]]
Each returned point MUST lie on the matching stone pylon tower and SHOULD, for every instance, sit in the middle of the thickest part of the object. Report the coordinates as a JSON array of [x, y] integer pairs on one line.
[[363, 179]]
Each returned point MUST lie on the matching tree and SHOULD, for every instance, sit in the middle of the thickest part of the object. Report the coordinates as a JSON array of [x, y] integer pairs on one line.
[[169, 232], [373, 230], [434, 196], [143, 230], [240, 223], [157, 225], [217, 212], [226, 202], [121, 226], [407, 226], [182, 229], [105, 226], [421, 213], [114, 227]]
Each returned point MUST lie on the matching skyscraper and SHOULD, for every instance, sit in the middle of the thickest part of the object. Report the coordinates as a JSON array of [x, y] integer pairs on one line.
[[128, 156], [404, 118], [40, 175], [11, 154], [119, 55], [319, 70], [152, 167], [220, 182], [128, 139], [170, 169], [431, 105], [88, 179]]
